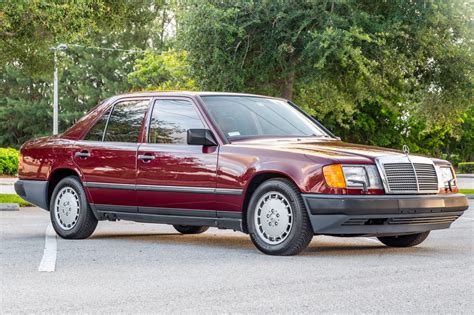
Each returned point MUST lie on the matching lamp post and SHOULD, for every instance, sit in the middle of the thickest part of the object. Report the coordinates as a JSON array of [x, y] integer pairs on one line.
[[55, 88]]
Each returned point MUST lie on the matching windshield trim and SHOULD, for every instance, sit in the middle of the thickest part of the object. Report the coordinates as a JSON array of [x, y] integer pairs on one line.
[[257, 137], [314, 120]]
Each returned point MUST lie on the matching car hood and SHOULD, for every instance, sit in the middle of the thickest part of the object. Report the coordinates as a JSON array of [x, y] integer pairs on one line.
[[334, 149]]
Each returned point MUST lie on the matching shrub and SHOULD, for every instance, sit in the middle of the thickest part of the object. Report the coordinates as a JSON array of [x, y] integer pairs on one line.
[[8, 161], [466, 167]]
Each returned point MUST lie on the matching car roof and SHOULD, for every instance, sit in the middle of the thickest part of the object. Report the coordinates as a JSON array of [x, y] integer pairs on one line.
[[186, 93]]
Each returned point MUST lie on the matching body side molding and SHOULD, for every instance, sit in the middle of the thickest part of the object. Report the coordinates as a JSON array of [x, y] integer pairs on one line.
[[184, 189]]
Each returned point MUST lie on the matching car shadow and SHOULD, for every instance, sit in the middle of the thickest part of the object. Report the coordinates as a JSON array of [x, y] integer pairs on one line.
[[318, 247], [202, 240], [341, 249]]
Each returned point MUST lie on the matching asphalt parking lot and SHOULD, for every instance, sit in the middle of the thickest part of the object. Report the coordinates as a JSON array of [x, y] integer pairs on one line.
[[143, 268]]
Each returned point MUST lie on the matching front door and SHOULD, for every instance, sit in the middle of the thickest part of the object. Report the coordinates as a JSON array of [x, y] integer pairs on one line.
[[175, 178], [107, 156]]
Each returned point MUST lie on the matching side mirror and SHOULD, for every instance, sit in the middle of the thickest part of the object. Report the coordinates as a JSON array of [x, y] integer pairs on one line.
[[201, 137]]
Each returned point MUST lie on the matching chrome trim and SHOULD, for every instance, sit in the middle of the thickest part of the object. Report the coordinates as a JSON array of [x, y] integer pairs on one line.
[[381, 161], [109, 186], [200, 190], [414, 172], [228, 191], [187, 189], [382, 175]]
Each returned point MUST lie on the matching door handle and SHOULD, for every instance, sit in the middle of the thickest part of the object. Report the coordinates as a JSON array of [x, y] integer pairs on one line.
[[82, 154], [147, 157]]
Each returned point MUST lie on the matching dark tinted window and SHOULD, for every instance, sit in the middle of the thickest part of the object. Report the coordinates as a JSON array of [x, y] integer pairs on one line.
[[248, 116], [125, 121], [170, 121], [96, 133]]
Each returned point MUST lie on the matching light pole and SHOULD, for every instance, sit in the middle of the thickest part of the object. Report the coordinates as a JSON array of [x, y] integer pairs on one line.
[[55, 87]]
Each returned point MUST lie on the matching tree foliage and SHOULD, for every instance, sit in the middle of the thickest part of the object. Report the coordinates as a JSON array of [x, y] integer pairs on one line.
[[164, 71], [385, 73], [29, 27], [379, 72], [87, 75], [25, 107], [342, 52]]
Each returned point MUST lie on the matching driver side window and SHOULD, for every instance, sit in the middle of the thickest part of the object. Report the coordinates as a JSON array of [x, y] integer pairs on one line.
[[171, 120]]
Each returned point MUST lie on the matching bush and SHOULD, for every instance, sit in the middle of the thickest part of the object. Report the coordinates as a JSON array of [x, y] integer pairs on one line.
[[8, 161], [466, 167]]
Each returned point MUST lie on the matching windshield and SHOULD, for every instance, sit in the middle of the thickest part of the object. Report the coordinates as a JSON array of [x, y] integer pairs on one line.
[[251, 116]]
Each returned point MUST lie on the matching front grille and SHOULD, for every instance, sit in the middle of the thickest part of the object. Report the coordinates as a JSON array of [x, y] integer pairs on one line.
[[411, 177], [426, 175], [400, 177]]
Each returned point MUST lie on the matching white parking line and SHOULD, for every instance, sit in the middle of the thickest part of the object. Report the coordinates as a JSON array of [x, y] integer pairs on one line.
[[372, 240], [48, 262]]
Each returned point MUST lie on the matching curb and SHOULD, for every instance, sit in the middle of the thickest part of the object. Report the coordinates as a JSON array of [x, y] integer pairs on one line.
[[9, 207]]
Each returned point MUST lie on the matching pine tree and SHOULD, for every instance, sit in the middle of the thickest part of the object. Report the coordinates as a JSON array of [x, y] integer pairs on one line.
[[25, 107]]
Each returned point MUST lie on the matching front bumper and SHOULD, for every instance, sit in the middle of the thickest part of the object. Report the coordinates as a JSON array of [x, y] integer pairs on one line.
[[381, 214]]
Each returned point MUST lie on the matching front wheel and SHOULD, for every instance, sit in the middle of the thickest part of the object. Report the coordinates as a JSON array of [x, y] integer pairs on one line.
[[404, 240], [277, 219], [71, 215]]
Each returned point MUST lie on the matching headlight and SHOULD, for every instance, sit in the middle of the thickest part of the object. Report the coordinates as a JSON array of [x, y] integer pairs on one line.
[[356, 176], [447, 176]]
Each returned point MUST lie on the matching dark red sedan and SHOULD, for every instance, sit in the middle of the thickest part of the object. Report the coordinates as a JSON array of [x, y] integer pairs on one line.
[[250, 163]]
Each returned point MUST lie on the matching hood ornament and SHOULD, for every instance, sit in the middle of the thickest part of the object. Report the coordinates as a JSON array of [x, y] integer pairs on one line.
[[406, 149]]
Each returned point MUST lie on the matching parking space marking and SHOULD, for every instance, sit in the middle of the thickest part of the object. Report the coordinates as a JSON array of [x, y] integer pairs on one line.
[[371, 239], [48, 262]]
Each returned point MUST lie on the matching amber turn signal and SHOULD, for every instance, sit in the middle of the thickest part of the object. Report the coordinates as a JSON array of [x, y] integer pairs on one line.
[[334, 176]]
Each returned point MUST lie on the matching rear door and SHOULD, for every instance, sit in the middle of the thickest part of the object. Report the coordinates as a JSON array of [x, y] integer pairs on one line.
[[175, 178], [108, 156]]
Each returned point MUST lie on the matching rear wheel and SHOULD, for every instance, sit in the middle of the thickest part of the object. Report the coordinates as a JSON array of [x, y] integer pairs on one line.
[[277, 219], [404, 240], [71, 215], [190, 229]]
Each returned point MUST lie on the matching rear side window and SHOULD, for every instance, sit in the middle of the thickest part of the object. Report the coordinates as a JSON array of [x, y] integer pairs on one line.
[[125, 121], [96, 133], [171, 120]]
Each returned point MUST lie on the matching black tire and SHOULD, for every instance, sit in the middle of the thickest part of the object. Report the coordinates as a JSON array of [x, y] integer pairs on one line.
[[85, 222], [190, 229], [300, 233], [404, 240]]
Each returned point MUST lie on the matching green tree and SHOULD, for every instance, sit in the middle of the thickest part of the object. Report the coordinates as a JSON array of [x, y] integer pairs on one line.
[[29, 28], [24, 107], [387, 51], [168, 70], [339, 59], [87, 75], [460, 147]]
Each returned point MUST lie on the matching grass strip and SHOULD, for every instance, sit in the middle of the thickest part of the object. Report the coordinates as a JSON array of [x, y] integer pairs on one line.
[[13, 198]]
